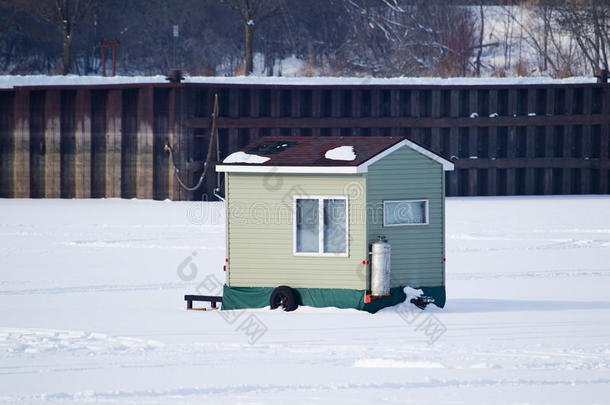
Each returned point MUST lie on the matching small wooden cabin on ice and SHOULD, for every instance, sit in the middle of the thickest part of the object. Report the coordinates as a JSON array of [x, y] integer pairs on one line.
[[303, 213]]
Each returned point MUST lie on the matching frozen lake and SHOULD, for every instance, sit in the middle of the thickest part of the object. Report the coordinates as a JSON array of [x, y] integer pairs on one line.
[[92, 310]]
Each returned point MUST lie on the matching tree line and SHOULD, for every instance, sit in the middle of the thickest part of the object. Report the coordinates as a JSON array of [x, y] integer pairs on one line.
[[329, 37]]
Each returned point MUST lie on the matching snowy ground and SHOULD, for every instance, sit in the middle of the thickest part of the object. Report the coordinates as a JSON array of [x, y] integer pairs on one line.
[[91, 309]]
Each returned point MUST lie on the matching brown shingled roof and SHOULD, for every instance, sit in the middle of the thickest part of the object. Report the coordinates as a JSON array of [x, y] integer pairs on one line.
[[310, 150]]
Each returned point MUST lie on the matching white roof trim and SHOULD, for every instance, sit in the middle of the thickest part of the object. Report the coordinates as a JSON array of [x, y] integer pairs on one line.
[[447, 165], [362, 168]]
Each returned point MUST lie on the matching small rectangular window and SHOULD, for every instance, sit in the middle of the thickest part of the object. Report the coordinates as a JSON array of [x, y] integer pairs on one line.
[[397, 213], [320, 226], [334, 226], [307, 225]]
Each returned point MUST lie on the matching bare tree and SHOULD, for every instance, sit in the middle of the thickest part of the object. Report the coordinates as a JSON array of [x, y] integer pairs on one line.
[[460, 43], [9, 11], [588, 23], [563, 37], [481, 37], [415, 37], [506, 28], [253, 13], [65, 15]]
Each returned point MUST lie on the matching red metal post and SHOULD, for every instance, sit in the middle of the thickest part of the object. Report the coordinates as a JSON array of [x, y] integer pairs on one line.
[[109, 44]]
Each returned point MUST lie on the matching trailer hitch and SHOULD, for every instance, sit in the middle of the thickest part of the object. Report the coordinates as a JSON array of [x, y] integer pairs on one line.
[[422, 302]]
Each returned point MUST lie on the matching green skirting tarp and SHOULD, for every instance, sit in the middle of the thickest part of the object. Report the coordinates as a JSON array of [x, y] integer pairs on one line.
[[439, 293], [258, 297], [245, 297], [331, 297], [397, 295]]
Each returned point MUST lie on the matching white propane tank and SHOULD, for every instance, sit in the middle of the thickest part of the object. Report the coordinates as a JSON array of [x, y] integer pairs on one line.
[[380, 268]]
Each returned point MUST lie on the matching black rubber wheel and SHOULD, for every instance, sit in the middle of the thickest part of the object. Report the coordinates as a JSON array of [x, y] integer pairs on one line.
[[284, 297]]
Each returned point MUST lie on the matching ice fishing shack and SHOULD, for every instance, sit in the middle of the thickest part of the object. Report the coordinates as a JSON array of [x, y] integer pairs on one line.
[[333, 221]]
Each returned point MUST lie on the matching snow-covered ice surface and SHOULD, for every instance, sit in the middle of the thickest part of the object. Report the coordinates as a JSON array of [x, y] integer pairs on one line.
[[341, 153], [92, 310]]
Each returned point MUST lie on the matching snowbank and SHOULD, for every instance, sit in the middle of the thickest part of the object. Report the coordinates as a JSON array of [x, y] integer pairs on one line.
[[7, 82]]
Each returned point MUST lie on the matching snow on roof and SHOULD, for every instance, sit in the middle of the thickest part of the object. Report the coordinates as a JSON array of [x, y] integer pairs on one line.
[[308, 154], [7, 82], [242, 157], [311, 150], [341, 153]]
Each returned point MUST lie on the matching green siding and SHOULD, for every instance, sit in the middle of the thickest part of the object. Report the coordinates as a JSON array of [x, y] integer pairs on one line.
[[418, 250], [260, 232]]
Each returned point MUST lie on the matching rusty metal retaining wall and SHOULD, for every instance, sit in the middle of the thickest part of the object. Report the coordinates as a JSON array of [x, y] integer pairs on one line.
[[91, 141], [107, 141]]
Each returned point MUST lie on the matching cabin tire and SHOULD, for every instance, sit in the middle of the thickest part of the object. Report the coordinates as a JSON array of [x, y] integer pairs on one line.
[[284, 297]]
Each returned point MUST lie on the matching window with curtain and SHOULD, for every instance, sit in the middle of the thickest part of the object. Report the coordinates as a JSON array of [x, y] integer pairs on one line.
[[396, 213], [321, 226]]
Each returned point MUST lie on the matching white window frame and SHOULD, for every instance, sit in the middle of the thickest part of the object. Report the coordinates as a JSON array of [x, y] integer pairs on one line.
[[426, 213], [320, 251]]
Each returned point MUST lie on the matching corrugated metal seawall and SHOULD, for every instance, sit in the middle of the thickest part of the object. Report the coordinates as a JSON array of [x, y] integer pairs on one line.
[[107, 140]]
